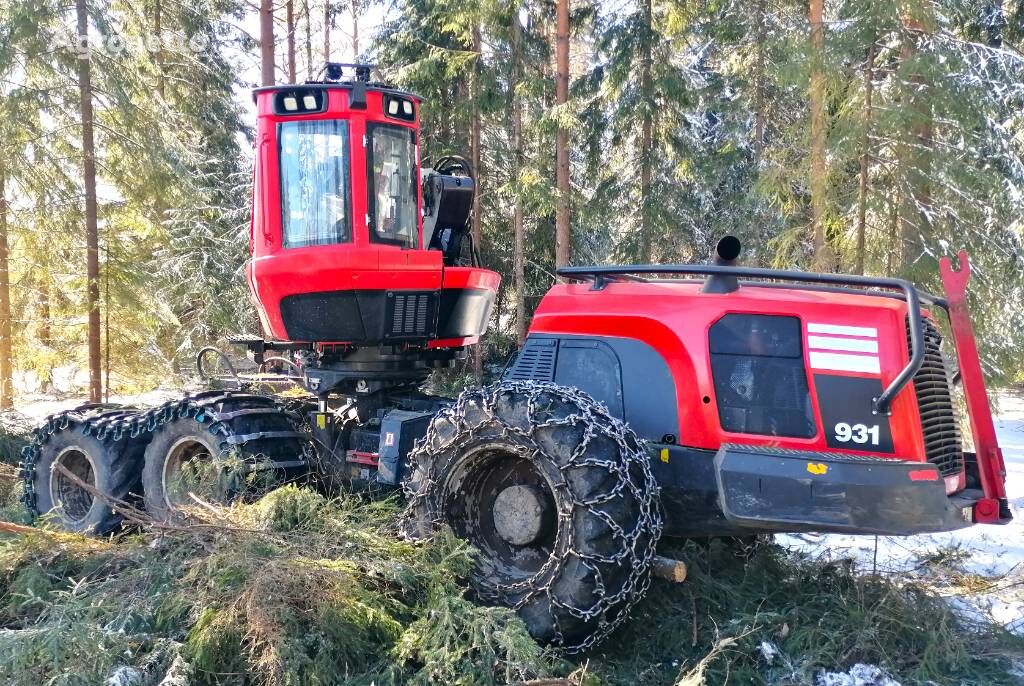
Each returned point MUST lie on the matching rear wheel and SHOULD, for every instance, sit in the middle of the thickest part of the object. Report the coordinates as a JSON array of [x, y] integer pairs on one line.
[[556, 495], [108, 469], [235, 443]]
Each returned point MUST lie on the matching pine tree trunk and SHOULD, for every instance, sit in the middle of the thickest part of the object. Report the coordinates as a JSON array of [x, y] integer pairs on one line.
[[6, 344], [865, 157], [499, 306], [327, 30], [106, 317], [267, 76], [518, 229], [915, 155], [355, 30], [562, 248], [289, 11], [476, 227], [309, 39], [817, 181], [92, 255], [646, 134]]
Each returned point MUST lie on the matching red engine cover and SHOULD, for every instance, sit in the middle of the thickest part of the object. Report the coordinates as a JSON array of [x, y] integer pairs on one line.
[[843, 336]]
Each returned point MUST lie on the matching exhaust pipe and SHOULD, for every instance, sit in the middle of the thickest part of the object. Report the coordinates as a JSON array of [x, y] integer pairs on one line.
[[726, 253]]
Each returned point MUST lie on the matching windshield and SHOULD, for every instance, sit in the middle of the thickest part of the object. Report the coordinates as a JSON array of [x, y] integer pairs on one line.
[[314, 182], [392, 186]]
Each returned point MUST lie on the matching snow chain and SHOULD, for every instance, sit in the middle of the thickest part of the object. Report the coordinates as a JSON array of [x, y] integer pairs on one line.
[[117, 423], [635, 462]]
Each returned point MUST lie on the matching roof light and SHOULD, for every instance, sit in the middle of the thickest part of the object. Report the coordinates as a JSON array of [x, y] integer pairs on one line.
[[290, 103], [407, 107], [309, 102], [393, 107]]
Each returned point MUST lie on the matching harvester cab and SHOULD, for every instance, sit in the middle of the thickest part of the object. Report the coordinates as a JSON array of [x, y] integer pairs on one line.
[[345, 263], [687, 400]]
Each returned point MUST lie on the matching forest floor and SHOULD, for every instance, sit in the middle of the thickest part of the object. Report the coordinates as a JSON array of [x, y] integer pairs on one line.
[[299, 589]]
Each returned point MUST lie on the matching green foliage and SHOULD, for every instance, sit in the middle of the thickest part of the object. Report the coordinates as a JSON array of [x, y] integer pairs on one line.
[[11, 507], [297, 589], [173, 185], [458, 642], [723, 88], [14, 432], [338, 599], [290, 507]]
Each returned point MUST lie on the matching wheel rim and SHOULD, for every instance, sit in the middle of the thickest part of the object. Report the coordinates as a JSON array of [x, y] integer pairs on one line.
[[73, 500], [505, 507], [184, 459]]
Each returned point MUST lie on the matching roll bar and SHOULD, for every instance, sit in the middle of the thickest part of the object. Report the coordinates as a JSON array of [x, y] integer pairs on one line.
[[883, 402]]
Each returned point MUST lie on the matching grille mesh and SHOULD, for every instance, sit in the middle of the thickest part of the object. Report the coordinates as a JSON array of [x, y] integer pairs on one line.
[[938, 417], [536, 361], [411, 314]]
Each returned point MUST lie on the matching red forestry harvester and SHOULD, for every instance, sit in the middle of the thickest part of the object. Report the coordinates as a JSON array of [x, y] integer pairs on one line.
[[732, 401]]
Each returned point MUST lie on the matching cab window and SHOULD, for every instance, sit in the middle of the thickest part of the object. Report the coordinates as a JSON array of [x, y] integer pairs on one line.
[[315, 207], [392, 187]]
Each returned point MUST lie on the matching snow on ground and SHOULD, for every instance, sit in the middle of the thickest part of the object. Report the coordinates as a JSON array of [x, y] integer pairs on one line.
[[858, 675], [990, 557]]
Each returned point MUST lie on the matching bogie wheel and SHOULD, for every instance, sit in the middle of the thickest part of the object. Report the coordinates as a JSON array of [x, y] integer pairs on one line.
[[556, 495], [237, 441], [69, 458]]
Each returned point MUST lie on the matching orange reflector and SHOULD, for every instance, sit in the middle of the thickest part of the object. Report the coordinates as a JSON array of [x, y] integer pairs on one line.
[[923, 475]]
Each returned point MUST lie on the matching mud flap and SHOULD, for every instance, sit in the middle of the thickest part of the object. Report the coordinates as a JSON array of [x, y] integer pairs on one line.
[[775, 489]]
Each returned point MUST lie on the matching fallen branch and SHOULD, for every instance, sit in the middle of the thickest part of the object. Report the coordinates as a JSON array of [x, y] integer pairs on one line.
[[117, 505], [137, 516], [12, 528], [60, 536]]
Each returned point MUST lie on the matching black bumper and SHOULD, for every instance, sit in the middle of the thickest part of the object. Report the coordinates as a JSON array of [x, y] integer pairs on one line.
[[773, 489]]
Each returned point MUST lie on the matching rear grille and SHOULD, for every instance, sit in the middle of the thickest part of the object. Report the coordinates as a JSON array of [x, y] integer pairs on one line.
[[942, 444], [411, 314]]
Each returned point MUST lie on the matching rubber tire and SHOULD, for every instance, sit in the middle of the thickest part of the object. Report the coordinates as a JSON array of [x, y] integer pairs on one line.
[[115, 471], [502, 413], [213, 436]]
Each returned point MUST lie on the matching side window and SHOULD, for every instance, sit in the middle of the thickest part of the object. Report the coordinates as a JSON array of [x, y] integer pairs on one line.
[[392, 186], [760, 381], [315, 208], [610, 370]]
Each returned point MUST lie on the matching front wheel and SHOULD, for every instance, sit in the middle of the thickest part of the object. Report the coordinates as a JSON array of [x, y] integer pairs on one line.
[[557, 496]]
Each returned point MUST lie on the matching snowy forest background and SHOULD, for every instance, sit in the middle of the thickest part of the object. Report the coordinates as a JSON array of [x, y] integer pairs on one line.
[[858, 136]]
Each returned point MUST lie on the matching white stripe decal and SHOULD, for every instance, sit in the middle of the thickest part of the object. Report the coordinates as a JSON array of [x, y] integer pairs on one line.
[[845, 363], [857, 345], [842, 330]]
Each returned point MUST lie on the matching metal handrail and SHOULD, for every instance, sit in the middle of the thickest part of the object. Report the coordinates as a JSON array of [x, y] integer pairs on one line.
[[884, 401]]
